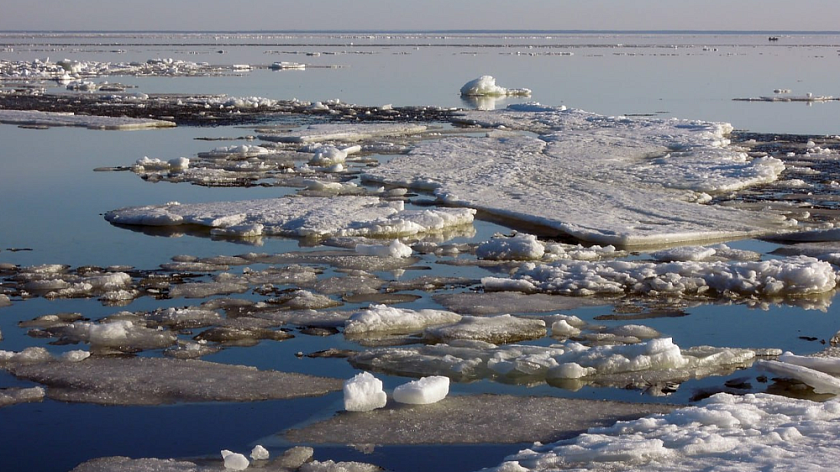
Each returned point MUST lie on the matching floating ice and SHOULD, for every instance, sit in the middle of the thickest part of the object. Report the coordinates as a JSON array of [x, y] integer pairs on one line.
[[382, 318], [725, 432], [12, 396], [423, 391], [395, 249], [5, 300], [684, 253], [791, 368], [332, 466], [473, 419], [364, 393], [793, 276], [618, 365], [492, 329], [42, 118], [486, 86], [315, 217], [154, 381], [623, 181], [519, 247], [235, 461], [259, 453], [340, 132]]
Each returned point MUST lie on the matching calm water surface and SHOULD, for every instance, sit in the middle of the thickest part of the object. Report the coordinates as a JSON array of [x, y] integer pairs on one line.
[[51, 201]]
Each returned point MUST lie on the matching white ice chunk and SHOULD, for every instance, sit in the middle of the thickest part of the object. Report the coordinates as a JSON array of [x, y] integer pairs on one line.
[[383, 318], [821, 382], [486, 86], [235, 461], [423, 391], [259, 453], [396, 249], [493, 329], [684, 253], [342, 132], [520, 247], [364, 393]]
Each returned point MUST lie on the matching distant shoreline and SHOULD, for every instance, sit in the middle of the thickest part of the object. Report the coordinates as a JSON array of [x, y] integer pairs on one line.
[[465, 31]]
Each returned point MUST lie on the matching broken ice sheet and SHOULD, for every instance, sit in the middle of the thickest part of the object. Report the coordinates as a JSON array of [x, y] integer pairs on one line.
[[471, 419], [154, 381], [498, 303], [662, 165], [310, 217]]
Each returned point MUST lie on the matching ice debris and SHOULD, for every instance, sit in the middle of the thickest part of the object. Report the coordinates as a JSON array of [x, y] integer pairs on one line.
[[12, 396], [259, 453], [396, 249], [364, 393], [339, 132]]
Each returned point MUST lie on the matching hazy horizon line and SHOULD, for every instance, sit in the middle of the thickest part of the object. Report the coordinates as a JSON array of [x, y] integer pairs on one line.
[[438, 31]]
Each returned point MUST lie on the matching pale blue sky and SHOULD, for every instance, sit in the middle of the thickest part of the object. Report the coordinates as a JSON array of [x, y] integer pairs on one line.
[[242, 15]]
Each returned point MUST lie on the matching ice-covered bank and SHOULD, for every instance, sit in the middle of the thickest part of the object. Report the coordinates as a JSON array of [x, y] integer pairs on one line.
[[610, 180], [315, 217], [745, 433]]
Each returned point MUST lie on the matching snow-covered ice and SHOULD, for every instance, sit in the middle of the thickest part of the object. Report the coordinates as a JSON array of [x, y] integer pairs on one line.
[[364, 393], [794, 276], [234, 460], [388, 319], [492, 329], [315, 217], [725, 432], [566, 178]]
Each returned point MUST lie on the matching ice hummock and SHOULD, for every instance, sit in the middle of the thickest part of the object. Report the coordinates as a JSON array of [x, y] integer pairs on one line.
[[567, 179], [364, 393], [485, 86], [388, 319], [313, 217], [725, 432]]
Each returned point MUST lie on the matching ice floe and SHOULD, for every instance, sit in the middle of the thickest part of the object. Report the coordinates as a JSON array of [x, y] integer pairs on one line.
[[725, 432], [42, 118], [464, 419], [154, 381], [339, 132], [387, 319], [492, 329], [566, 179], [315, 217]]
